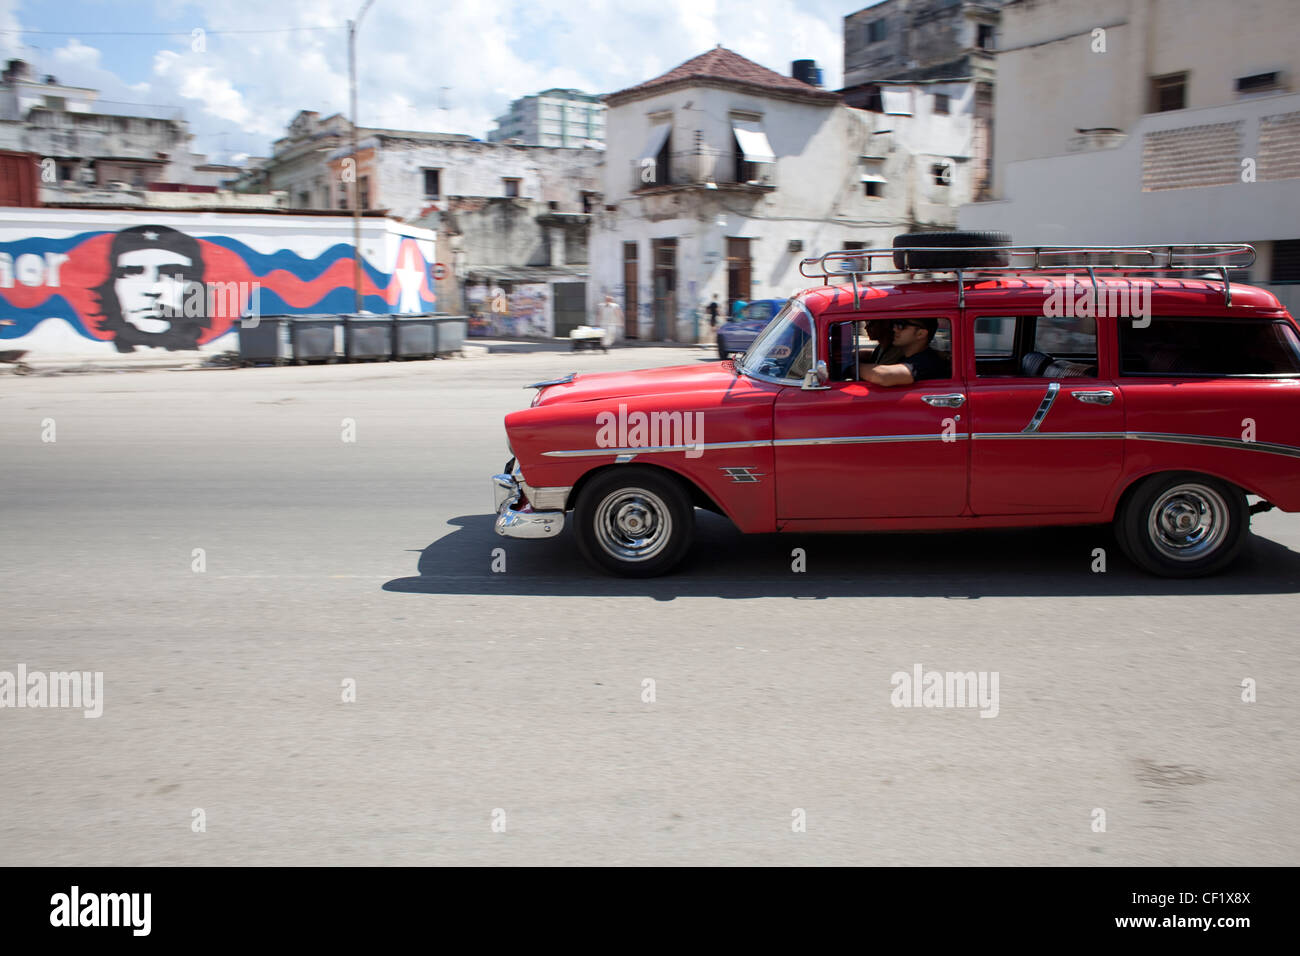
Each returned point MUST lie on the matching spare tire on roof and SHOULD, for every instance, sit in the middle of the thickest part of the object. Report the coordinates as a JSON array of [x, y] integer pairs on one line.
[[948, 254]]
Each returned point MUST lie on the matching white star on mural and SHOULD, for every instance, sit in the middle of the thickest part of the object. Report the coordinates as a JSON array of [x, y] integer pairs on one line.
[[408, 282]]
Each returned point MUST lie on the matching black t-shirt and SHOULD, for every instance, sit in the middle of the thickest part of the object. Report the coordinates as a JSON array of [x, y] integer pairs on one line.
[[926, 363], [713, 313]]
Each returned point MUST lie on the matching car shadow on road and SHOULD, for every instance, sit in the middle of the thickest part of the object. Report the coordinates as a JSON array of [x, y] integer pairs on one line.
[[725, 563]]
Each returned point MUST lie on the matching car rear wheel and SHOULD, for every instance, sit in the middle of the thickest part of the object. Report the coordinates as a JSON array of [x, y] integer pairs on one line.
[[1183, 524], [633, 521]]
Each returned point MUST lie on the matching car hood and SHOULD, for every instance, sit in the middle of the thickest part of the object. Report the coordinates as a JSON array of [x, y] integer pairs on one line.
[[673, 380]]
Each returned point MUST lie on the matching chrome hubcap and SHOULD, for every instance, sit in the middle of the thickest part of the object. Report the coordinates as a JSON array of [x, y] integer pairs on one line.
[[1188, 522], [633, 524]]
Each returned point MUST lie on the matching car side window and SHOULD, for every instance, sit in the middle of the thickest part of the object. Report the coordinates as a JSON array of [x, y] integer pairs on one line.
[[1205, 346], [1035, 346], [871, 341]]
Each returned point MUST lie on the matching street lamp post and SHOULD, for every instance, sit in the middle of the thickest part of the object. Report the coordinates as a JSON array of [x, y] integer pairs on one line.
[[356, 170]]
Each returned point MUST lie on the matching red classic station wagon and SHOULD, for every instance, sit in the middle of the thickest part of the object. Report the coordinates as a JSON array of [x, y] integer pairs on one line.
[[1130, 385]]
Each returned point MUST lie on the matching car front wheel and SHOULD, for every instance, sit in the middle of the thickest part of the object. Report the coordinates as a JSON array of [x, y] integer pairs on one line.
[[634, 521], [1183, 524]]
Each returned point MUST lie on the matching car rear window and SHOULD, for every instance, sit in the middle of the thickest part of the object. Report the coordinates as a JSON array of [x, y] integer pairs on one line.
[[1209, 346]]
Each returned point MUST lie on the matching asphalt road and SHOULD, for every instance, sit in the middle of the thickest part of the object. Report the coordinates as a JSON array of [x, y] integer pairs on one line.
[[517, 697]]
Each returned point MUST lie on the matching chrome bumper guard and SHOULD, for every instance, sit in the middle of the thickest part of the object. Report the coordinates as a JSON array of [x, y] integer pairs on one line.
[[522, 522]]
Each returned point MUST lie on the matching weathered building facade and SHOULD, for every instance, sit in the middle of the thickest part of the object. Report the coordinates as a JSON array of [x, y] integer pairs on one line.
[[947, 48], [1132, 121], [921, 40], [721, 175], [502, 212], [88, 156], [507, 216]]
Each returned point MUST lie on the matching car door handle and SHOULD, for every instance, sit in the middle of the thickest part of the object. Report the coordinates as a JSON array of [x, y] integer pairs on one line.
[[1100, 396], [951, 400]]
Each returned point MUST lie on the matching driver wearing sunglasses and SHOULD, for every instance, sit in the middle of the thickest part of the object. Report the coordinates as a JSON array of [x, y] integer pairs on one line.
[[919, 361]]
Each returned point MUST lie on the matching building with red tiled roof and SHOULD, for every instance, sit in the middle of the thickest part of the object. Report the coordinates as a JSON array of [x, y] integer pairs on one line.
[[725, 69], [721, 174]]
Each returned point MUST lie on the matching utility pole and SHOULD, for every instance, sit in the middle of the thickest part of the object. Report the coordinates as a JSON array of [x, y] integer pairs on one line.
[[356, 171]]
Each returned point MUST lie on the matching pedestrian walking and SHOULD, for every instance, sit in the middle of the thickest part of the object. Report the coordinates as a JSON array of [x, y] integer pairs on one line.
[[611, 320], [712, 310]]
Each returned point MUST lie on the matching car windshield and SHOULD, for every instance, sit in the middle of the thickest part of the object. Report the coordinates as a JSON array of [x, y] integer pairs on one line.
[[783, 350]]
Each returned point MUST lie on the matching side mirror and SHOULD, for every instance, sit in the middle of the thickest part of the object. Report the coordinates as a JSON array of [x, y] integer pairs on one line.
[[816, 377]]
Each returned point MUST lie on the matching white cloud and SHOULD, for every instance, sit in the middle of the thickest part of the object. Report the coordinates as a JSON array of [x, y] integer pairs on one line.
[[239, 92], [195, 78], [77, 54]]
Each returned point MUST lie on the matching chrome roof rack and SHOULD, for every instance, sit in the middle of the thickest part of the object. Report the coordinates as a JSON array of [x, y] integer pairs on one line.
[[1172, 258]]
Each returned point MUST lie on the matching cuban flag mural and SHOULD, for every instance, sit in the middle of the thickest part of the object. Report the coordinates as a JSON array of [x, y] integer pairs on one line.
[[182, 286]]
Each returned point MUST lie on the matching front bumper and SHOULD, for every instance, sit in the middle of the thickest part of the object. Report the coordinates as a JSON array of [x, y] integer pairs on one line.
[[521, 522]]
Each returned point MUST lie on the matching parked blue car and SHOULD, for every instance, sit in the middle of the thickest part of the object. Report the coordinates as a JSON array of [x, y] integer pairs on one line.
[[735, 337]]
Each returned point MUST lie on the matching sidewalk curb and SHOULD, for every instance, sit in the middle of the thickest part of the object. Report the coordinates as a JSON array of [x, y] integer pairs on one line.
[[89, 364]]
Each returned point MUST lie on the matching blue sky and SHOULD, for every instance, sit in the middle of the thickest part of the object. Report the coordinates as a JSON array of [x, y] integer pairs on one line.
[[238, 90]]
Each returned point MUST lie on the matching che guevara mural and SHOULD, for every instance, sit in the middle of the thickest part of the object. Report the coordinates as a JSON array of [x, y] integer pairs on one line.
[[154, 286]]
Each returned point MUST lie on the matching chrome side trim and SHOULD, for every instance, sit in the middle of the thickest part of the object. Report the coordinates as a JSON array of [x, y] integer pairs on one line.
[[1081, 435], [1044, 407], [1269, 447], [652, 449], [1272, 448], [1213, 441], [865, 439]]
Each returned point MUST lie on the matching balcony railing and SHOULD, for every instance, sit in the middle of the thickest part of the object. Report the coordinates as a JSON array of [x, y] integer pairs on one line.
[[703, 168]]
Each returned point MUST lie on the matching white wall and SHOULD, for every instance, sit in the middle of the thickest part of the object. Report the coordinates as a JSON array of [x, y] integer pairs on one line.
[[818, 199], [1097, 196], [477, 170], [1052, 81]]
